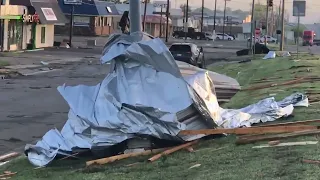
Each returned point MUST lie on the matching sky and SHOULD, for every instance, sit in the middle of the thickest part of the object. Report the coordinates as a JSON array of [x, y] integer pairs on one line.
[[312, 12]]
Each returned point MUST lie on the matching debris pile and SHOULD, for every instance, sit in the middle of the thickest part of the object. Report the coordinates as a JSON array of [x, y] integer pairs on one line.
[[146, 94]]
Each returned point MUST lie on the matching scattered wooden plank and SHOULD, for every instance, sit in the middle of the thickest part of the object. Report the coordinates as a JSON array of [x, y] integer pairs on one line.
[[292, 123], [123, 156], [311, 161], [172, 150], [287, 144], [190, 149], [252, 139], [8, 174], [7, 156], [251, 130]]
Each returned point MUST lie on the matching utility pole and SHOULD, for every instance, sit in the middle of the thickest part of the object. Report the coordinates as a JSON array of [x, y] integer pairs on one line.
[[214, 18], [253, 38], [135, 16], [71, 25], [187, 15], [161, 22], [224, 17], [267, 24], [144, 14], [282, 27], [202, 15], [167, 29]]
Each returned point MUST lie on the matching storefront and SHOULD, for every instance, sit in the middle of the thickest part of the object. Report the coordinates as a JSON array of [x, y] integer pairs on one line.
[[35, 27], [11, 31]]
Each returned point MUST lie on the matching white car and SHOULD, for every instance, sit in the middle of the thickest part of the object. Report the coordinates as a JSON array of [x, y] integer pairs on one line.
[[219, 36], [209, 36], [270, 39]]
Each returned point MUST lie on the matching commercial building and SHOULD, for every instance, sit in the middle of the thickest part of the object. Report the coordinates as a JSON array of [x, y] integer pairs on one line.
[[91, 18], [28, 24]]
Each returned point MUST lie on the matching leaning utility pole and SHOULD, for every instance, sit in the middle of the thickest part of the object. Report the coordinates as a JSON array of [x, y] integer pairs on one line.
[[282, 26], [253, 38], [135, 16], [202, 15]]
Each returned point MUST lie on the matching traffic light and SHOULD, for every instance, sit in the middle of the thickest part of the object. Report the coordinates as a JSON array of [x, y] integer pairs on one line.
[[270, 3]]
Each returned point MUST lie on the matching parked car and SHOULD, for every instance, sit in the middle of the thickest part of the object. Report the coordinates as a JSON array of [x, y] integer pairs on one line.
[[270, 39], [209, 36], [190, 34], [189, 53], [220, 36]]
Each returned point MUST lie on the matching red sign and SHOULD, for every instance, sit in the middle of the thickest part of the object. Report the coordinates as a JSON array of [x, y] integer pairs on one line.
[[31, 18]]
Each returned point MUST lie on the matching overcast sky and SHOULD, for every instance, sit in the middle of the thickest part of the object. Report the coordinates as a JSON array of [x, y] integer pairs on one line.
[[313, 7]]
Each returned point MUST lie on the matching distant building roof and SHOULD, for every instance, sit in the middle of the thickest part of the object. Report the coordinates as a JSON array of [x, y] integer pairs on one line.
[[88, 7], [106, 8]]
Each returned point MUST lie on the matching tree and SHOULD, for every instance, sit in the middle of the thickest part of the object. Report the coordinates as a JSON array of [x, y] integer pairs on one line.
[[182, 7]]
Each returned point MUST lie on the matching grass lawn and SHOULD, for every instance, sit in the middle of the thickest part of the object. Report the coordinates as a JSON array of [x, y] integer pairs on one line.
[[4, 63], [220, 158]]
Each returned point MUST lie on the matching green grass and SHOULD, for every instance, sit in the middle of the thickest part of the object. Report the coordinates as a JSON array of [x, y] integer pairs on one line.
[[220, 159], [4, 63]]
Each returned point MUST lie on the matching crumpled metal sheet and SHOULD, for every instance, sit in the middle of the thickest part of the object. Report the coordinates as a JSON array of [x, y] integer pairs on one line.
[[142, 95], [263, 111]]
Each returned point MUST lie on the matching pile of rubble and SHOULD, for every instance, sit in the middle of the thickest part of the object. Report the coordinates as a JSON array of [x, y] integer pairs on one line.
[[147, 95]]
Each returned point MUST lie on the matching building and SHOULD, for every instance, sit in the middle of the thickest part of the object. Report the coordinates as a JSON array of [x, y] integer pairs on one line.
[[28, 24], [91, 18]]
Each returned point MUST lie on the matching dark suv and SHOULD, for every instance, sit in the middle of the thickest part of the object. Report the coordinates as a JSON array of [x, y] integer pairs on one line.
[[189, 53]]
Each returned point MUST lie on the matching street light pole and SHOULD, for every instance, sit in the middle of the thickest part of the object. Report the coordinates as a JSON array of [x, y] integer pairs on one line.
[[224, 17], [214, 17], [202, 15], [71, 25], [135, 16], [144, 15]]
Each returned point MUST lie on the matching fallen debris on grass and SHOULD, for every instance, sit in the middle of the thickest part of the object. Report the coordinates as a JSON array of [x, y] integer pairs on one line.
[[195, 166], [311, 161], [256, 138], [7, 174], [8, 156], [287, 144], [122, 156], [172, 150], [251, 130], [148, 94]]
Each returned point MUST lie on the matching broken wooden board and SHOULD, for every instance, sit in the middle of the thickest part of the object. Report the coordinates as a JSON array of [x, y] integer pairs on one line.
[[287, 144], [8, 156], [251, 130], [172, 150], [292, 123], [253, 139], [123, 156]]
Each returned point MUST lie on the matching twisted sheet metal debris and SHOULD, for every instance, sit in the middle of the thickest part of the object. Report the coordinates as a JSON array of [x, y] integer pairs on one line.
[[144, 94]]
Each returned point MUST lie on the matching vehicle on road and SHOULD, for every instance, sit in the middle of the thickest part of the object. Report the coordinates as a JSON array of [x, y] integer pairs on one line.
[[189, 53], [209, 36], [221, 36], [309, 38], [190, 34]]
